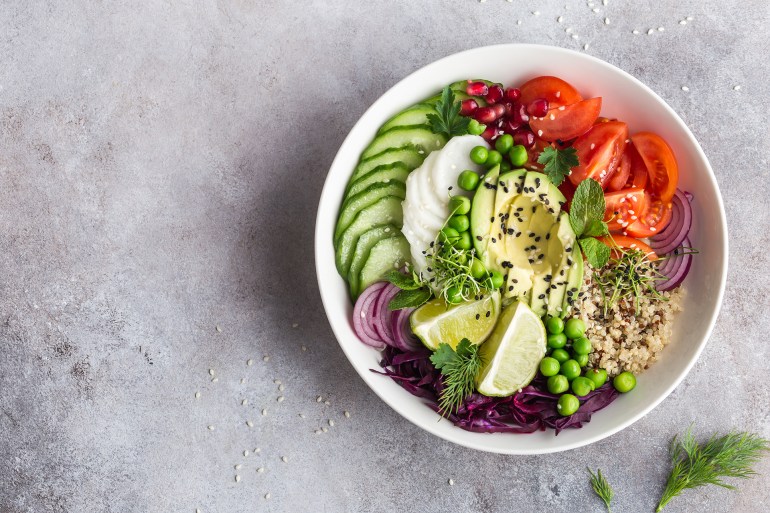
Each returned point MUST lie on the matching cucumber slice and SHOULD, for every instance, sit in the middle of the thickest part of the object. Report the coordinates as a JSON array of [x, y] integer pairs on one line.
[[386, 173], [386, 255], [385, 210], [421, 137], [364, 245], [407, 155], [416, 115], [354, 204]]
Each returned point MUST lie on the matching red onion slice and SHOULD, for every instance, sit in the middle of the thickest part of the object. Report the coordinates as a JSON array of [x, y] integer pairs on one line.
[[679, 268], [382, 313], [670, 239], [402, 330], [362, 311]]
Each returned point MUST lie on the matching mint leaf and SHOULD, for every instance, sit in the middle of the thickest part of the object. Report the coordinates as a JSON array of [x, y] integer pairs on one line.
[[558, 163], [587, 206], [402, 281], [410, 298], [596, 229], [444, 356], [597, 253], [447, 119]]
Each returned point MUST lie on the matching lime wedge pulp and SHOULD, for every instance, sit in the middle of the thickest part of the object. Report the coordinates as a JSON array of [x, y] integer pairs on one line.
[[435, 322]]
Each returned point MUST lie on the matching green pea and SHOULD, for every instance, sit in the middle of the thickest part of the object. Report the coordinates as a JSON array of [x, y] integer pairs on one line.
[[549, 366], [496, 278], [581, 346], [582, 359], [476, 128], [464, 242], [574, 328], [454, 295], [560, 355], [557, 341], [504, 143], [504, 167], [567, 404], [624, 382], [554, 325], [479, 155], [478, 271], [518, 155], [468, 180], [493, 158], [460, 222], [459, 205], [557, 384], [450, 235], [598, 376], [582, 386], [570, 369]]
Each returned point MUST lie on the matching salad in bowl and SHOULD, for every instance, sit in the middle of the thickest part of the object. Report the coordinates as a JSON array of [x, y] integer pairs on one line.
[[515, 253]]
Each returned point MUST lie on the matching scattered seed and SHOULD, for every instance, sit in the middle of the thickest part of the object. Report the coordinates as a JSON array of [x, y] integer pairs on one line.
[[331, 423], [540, 132], [518, 22], [294, 325], [238, 466], [325, 430], [650, 31], [214, 380], [689, 18], [304, 348], [245, 402], [246, 453], [606, 21], [249, 362], [585, 46], [683, 22], [280, 388], [211, 372], [347, 414], [661, 29], [596, 9], [249, 423], [257, 450], [264, 411], [736, 88], [327, 403], [219, 330], [634, 31], [536, 13], [319, 399], [211, 428], [559, 19], [277, 381], [604, 2], [261, 469], [685, 88], [302, 415], [280, 399], [451, 482], [197, 395], [318, 431], [265, 358], [284, 459], [237, 478], [267, 495], [243, 380]]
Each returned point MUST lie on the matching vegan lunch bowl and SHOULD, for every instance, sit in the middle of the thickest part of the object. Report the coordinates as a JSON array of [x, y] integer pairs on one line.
[[529, 248]]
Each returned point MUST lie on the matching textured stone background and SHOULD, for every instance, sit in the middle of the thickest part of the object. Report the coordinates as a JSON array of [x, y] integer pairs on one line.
[[160, 166]]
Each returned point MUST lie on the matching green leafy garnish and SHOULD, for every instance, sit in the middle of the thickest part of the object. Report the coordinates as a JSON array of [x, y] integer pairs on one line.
[[730, 455], [602, 487], [586, 216], [410, 298], [631, 276], [447, 119], [558, 163], [403, 281], [459, 368]]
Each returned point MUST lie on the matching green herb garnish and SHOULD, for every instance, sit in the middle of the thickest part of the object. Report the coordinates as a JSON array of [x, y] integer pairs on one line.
[[459, 367], [586, 216], [447, 119], [558, 163], [730, 455], [601, 487], [631, 276], [413, 291]]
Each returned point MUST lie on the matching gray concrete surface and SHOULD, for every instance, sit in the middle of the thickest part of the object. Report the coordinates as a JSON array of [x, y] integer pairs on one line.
[[160, 166]]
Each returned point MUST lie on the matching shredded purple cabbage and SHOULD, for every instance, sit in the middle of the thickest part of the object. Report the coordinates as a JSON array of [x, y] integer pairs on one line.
[[532, 409]]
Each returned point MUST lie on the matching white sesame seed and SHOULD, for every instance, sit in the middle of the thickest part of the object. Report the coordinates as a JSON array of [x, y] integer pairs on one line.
[[606, 21], [661, 29], [593, 145], [559, 19], [736, 88], [211, 372], [568, 30], [246, 453], [596, 9], [284, 459], [540, 133], [243, 380], [245, 402], [689, 18], [562, 107], [331, 423], [280, 388], [585, 46], [264, 411], [536, 13], [280, 399], [197, 395], [327, 403], [683, 22], [249, 423], [265, 358], [267, 495], [558, 94], [347, 414], [197, 510], [650, 31], [249, 362], [214, 380], [451, 482], [575, 36], [302, 415], [518, 22], [318, 431], [604, 2], [634, 31], [304, 348], [653, 229], [277, 381], [685, 88], [238, 466], [325, 430], [261, 469], [294, 325], [319, 399]]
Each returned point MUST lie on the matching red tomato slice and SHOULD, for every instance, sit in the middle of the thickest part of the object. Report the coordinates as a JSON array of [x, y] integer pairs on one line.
[[623, 242], [620, 178], [622, 206], [534, 152], [567, 122], [555, 90], [656, 216], [638, 176], [599, 151], [568, 190], [662, 168]]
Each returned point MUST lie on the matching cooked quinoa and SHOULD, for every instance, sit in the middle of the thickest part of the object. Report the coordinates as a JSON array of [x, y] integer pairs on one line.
[[624, 340]]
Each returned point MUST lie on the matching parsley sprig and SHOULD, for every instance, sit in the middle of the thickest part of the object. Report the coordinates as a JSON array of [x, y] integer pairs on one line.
[[447, 119], [459, 367], [586, 216], [558, 163]]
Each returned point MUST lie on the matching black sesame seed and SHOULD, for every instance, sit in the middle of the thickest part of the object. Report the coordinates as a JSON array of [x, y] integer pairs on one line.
[[494, 241], [568, 249], [491, 219], [518, 234], [541, 296], [478, 317], [489, 313], [510, 288], [515, 280], [537, 239], [547, 235], [479, 237]]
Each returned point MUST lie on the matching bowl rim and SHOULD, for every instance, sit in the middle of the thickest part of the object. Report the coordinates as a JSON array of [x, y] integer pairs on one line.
[[470, 443]]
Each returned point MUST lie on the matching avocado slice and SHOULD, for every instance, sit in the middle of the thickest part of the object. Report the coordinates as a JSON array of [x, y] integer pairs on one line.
[[574, 282], [483, 211], [561, 236]]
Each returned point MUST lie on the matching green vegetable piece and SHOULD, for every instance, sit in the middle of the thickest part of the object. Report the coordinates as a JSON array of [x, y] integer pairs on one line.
[[549, 366], [465, 243], [557, 384], [570, 369], [410, 299], [558, 163], [459, 369], [459, 205], [402, 281], [504, 167], [493, 158], [518, 155], [460, 222], [598, 376], [454, 294], [587, 206], [447, 119], [557, 340], [602, 488], [582, 359], [554, 325], [479, 155], [468, 180], [582, 386], [449, 235], [478, 271], [581, 345], [476, 128], [560, 355], [624, 382], [597, 253], [574, 328], [496, 278], [504, 143], [567, 405]]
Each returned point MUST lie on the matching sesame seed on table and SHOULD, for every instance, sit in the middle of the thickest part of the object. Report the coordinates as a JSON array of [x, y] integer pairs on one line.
[[160, 170]]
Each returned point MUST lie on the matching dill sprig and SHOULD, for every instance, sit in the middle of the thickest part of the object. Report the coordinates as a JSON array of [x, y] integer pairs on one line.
[[459, 368], [730, 455], [602, 487], [631, 275]]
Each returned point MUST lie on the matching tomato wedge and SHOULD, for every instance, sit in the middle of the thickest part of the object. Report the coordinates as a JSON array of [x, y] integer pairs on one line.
[[568, 190], [621, 241], [534, 153], [662, 169], [555, 90], [623, 208], [638, 176], [620, 178], [599, 151], [655, 217], [567, 122]]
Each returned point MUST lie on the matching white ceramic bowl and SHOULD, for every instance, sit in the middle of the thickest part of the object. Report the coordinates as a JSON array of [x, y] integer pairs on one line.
[[623, 97]]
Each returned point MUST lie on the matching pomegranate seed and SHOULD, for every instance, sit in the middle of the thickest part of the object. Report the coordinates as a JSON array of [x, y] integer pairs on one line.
[[520, 115], [538, 108], [508, 108], [494, 95], [477, 89], [485, 115], [489, 134], [512, 94], [510, 126], [524, 137], [468, 107], [499, 109]]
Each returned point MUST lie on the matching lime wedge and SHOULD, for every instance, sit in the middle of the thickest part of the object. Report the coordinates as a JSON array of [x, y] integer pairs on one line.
[[513, 352], [436, 323]]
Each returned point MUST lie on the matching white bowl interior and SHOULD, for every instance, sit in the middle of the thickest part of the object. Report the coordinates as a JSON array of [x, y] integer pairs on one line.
[[624, 97]]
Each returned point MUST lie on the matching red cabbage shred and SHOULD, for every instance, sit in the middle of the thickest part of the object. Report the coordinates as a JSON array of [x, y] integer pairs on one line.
[[532, 409]]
